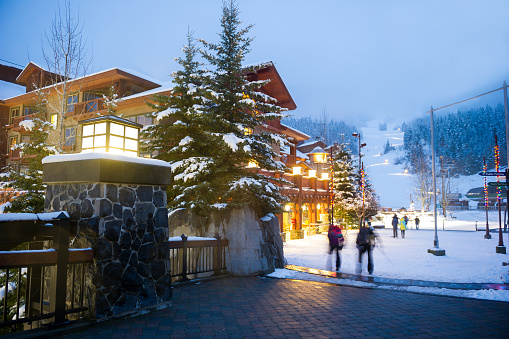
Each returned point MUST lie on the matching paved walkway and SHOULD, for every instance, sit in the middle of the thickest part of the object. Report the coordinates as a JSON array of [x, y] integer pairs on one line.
[[279, 308], [399, 282]]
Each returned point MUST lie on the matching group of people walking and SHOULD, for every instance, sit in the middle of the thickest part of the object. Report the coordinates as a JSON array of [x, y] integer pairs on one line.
[[402, 224], [365, 242]]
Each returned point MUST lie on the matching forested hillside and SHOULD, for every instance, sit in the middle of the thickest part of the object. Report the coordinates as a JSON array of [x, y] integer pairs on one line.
[[462, 139], [328, 130]]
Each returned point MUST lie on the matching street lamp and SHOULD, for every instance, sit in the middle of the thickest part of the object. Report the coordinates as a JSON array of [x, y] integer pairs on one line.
[[361, 171]]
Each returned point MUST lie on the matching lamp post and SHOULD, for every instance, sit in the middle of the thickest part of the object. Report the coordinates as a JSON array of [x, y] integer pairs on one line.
[[361, 171], [436, 250]]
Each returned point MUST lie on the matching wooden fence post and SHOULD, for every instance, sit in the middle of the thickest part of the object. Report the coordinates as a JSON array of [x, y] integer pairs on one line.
[[184, 257], [58, 284], [217, 256]]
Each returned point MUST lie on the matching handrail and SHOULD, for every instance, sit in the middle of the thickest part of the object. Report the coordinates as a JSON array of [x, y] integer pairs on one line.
[[13, 259]]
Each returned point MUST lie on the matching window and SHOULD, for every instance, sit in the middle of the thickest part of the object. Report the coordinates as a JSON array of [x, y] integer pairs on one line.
[[70, 136], [14, 114], [12, 142], [54, 119], [91, 104], [25, 139], [28, 110], [71, 100], [142, 120]]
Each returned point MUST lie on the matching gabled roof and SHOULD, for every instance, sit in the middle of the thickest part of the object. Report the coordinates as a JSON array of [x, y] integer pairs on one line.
[[276, 88]]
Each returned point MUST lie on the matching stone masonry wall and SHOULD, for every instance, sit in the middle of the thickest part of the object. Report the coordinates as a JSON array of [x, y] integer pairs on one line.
[[127, 226]]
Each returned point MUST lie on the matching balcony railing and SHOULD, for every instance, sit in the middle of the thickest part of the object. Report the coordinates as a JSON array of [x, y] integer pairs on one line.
[[86, 107], [17, 121]]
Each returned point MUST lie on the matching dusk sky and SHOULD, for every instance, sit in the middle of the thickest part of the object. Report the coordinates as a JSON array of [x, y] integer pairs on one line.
[[354, 60]]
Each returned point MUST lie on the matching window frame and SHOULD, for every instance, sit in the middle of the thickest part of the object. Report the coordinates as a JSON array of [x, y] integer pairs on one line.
[[72, 136], [70, 106], [11, 117]]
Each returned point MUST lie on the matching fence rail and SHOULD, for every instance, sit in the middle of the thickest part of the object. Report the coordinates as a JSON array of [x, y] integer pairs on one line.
[[38, 283], [198, 257]]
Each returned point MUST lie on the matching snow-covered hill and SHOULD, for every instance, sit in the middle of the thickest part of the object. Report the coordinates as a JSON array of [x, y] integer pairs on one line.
[[392, 184]]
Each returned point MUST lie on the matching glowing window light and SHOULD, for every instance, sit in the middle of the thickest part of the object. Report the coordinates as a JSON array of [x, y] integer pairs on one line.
[[252, 164], [312, 173], [325, 176], [318, 206], [110, 134], [297, 170]]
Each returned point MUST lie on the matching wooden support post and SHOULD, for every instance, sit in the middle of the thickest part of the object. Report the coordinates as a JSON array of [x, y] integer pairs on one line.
[[58, 284], [217, 257], [184, 258]]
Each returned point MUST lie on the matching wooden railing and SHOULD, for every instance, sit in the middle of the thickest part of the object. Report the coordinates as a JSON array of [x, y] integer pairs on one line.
[[87, 107], [197, 257], [38, 283], [18, 120]]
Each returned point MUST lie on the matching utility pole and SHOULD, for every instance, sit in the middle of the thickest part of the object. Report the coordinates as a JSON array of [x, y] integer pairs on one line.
[[444, 196], [436, 249]]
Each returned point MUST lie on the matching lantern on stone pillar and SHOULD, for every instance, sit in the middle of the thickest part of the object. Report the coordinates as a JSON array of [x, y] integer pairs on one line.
[[110, 134]]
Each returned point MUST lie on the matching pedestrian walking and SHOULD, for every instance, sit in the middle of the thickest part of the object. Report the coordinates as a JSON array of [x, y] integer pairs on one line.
[[406, 220], [417, 222], [336, 242], [395, 226], [402, 227], [365, 243]]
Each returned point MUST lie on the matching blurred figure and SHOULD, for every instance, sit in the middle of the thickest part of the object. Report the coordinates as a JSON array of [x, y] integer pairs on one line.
[[336, 242], [406, 220], [395, 226], [417, 222], [366, 243], [402, 227]]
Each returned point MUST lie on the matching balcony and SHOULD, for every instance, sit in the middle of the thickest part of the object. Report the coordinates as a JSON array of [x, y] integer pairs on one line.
[[16, 121], [87, 109]]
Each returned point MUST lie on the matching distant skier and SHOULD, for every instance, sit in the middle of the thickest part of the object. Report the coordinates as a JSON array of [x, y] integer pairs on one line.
[[417, 222], [402, 227], [395, 226], [336, 242], [366, 243]]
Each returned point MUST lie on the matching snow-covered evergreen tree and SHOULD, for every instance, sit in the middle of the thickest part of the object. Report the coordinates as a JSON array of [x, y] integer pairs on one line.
[[344, 177], [236, 114], [111, 100], [25, 177]]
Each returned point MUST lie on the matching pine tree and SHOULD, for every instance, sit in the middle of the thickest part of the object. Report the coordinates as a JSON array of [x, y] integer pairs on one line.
[[235, 114], [25, 178], [344, 184]]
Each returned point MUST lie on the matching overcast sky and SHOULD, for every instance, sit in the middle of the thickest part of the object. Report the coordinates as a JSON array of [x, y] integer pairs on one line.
[[354, 60]]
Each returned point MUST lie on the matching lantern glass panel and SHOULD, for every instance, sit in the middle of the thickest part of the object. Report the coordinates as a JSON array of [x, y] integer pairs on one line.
[[116, 129], [88, 130], [100, 141], [131, 132], [116, 142], [131, 154], [131, 144], [116, 151], [100, 149], [100, 128], [87, 142]]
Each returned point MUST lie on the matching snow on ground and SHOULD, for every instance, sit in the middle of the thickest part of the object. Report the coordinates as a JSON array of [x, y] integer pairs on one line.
[[469, 257], [389, 180]]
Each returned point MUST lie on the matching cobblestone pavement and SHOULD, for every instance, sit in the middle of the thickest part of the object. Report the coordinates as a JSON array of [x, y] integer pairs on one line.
[[277, 308]]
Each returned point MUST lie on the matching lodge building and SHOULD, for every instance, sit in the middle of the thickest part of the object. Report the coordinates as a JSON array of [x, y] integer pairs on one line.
[[307, 165]]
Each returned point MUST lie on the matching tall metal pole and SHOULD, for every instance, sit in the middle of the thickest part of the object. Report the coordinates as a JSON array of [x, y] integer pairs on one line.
[[485, 168], [435, 242], [500, 248], [506, 111]]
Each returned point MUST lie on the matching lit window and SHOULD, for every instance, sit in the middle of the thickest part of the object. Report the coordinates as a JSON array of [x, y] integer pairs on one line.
[[12, 142], [248, 131], [142, 120], [54, 119]]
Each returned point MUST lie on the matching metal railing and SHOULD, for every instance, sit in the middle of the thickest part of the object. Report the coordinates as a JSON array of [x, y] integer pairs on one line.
[[39, 284], [197, 257]]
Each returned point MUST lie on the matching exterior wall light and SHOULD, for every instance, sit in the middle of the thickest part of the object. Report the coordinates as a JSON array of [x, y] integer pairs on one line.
[[297, 170], [110, 134], [312, 173], [288, 207], [318, 206], [252, 164]]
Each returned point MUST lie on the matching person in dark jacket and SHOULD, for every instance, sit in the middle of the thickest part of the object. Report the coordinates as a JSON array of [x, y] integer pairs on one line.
[[417, 222], [395, 222], [366, 243], [336, 241]]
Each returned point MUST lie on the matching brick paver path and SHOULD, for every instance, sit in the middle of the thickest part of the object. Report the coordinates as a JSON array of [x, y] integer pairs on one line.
[[263, 307]]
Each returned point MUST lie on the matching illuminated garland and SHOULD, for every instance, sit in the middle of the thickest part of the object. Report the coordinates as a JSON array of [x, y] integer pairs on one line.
[[363, 183], [497, 164], [485, 168]]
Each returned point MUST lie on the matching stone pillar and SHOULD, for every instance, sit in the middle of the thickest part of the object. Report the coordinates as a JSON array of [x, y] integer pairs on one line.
[[118, 208]]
